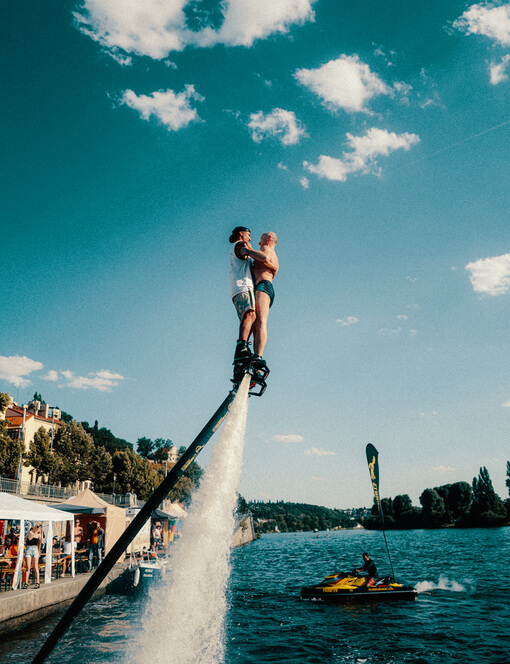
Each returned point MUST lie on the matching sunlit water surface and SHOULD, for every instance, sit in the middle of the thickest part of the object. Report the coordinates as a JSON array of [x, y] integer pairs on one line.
[[462, 613]]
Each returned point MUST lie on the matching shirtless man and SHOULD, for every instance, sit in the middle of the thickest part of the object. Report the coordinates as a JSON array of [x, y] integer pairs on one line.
[[264, 269], [242, 288]]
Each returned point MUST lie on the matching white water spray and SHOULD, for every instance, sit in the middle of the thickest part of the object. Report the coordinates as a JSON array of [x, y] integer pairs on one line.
[[442, 584], [184, 622]]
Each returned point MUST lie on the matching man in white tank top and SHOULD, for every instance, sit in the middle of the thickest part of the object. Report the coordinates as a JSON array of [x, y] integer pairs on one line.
[[241, 288]]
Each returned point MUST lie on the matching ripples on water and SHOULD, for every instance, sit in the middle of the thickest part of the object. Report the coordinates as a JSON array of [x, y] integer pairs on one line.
[[462, 615]]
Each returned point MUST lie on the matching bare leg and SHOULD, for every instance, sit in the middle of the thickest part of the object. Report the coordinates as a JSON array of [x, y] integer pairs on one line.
[[262, 301], [246, 326]]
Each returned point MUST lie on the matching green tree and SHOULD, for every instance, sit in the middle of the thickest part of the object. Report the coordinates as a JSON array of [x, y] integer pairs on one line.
[[144, 447], [242, 505], [101, 469], [39, 454], [459, 499], [433, 508], [134, 474], [487, 508], [37, 397], [103, 437], [11, 451], [401, 504], [483, 491], [161, 448], [4, 401], [72, 447]]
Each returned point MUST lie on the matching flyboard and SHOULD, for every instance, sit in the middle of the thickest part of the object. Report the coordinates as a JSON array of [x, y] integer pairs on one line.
[[257, 387]]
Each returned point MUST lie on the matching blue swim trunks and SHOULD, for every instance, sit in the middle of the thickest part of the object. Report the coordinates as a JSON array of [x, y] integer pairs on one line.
[[266, 287]]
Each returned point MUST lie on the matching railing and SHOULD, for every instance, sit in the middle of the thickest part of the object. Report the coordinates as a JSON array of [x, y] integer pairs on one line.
[[53, 492], [30, 490]]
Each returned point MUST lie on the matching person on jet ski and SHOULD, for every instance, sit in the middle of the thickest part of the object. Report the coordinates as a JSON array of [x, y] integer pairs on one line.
[[370, 570]]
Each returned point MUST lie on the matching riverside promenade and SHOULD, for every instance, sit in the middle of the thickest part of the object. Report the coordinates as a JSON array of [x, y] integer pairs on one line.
[[18, 608]]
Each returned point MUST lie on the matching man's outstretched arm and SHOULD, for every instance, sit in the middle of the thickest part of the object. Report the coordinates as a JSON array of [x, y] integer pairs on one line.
[[261, 257]]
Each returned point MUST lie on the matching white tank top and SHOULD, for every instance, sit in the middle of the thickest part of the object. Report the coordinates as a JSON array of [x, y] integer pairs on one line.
[[239, 271]]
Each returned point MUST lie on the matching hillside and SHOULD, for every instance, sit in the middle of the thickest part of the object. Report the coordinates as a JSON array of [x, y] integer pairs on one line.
[[297, 517]]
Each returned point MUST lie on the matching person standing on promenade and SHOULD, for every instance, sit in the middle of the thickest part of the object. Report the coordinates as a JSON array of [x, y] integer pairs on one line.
[[96, 544], [241, 288], [33, 544], [78, 535], [264, 269]]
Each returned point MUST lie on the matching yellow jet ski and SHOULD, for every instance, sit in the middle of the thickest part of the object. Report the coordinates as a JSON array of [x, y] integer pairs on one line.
[[351, 587]]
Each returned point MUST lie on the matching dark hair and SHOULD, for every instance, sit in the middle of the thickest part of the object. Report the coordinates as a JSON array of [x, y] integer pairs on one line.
[[235, 233]]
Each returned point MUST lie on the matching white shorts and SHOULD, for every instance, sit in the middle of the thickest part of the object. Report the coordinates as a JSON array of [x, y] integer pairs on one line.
[[244, 302]]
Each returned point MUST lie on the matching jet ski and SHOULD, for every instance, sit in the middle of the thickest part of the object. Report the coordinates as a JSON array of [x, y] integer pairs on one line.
[[351, 587]]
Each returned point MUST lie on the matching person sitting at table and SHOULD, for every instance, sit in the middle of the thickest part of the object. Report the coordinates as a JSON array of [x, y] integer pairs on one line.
[[67, 556], [2, 549]]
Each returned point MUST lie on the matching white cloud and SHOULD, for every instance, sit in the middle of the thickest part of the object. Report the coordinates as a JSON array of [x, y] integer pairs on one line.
[[101, 380], [506, 404], [52, 376], [13, 369], [246, 21], [490, 275], [350, 320], [317, 479], [279, 123], [172, 109], [345, 83], [319, 452], [304, 182], [282, 166], [155, 28], [402, 317], [490, 20], [443, 469], [288, 438], [498, 70], [363, 158]]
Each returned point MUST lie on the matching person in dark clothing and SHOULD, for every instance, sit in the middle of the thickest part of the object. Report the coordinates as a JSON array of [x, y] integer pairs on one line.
[[370, 570]]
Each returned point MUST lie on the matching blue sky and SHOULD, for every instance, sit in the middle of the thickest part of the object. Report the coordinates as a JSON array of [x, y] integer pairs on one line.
[[372, 137]]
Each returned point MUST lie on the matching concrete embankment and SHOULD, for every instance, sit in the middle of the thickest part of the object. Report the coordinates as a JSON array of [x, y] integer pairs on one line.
[[245, 532], [18, 608]]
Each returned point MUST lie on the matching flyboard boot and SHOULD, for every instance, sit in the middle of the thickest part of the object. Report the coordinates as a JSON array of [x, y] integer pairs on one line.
[[259, 371], [242, 360], [245, 362]]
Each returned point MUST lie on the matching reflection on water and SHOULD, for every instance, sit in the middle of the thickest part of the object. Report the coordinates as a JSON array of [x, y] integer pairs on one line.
[[463, 616]]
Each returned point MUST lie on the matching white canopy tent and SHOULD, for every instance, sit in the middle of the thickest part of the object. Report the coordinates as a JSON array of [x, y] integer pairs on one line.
[[13, 508]]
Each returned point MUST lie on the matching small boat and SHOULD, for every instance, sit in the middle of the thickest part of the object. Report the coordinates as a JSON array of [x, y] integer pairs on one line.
[[148, 571], [350, 587]]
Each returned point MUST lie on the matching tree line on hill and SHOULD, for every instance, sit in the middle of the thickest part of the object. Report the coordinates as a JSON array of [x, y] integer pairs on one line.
[[79, 452], [460, 504], [296, 517]]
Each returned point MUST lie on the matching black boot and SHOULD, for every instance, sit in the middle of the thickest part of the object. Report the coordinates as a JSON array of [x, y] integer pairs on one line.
[[257, 362], [243, 352]]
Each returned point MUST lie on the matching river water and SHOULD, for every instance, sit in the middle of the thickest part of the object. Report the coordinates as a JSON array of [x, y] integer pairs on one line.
[[462, 614]]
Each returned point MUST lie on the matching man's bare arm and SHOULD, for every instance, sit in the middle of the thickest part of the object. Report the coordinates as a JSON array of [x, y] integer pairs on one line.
[[241, 249], [263, 258]]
